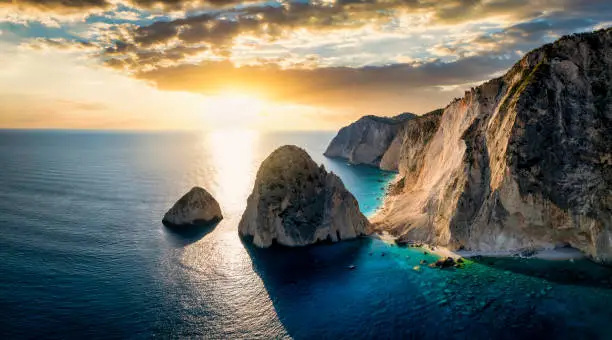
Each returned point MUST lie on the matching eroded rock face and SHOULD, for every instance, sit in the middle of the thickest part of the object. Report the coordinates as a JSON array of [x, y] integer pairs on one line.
[[367, 140], [196, 207], [295, 202], [415, 136], [522, 161]]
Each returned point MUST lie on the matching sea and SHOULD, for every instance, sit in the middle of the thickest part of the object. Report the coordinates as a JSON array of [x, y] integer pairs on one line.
[[84, 255]]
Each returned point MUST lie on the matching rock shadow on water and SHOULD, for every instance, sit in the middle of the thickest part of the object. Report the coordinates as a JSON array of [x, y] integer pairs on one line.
[[279, 264], [581, 272], [305, 283], [183, 235]]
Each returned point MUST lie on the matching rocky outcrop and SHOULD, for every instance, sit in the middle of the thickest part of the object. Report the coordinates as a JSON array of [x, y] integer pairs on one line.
[[522, 161], [295, 202], [367, 140], [196, 207], [415, 136]]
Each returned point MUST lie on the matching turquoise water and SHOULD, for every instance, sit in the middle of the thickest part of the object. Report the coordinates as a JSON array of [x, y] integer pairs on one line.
[[84, 254]]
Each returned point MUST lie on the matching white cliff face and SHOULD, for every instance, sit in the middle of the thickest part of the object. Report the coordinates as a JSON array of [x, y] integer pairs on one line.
[[367, 140], [522, 161], [294, 203], [412, 139], [196, 207], [390, 159]]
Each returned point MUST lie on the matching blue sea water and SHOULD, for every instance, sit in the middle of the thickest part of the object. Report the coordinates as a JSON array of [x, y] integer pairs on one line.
[[83, 254]]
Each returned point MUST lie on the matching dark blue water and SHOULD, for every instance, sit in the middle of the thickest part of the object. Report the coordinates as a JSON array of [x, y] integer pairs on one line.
[[83, 254]]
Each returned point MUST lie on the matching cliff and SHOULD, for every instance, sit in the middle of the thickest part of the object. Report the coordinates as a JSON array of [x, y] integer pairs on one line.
[[412, 136], [294, 203], [522, 161], [367, 140]]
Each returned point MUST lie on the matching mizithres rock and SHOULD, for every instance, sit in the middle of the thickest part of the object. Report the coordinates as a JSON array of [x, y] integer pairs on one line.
[[295, 202], [522, 161], [195, 207], [367, 140]]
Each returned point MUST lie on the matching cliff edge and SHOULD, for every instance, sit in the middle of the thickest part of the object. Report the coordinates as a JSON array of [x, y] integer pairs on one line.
[[522, 161], [367, 140]]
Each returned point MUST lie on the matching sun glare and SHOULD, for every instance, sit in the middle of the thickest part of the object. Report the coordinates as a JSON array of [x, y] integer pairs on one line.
[[233, 156], [237, 106]]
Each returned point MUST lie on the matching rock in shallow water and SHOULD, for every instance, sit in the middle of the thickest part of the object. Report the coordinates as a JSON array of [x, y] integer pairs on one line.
[[197, 207], [295, 203]]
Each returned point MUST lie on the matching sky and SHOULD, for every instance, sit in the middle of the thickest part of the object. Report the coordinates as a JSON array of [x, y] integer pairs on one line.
[[288, 65]]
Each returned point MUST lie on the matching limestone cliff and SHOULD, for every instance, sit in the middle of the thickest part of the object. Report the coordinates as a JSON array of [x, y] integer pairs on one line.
[[295, 202], [407, 147], [367, 140], [522, 161]]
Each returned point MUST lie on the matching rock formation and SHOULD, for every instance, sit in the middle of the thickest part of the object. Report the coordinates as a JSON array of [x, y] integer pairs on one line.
[[522, 161], [410, 142], [195, 207], [367, 140], [294, 203]]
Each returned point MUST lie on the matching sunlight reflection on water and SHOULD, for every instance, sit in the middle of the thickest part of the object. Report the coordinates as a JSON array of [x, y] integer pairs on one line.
[[234, 163], [217, 269], [221, 283]]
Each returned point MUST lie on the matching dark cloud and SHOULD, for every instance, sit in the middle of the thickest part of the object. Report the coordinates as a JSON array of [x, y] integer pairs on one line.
[[57, 5], [160, 52], [180, 4], [272, 21], [335, 86], [64, 6], [528, 35]]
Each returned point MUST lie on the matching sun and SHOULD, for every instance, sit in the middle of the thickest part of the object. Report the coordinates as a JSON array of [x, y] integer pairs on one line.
[[238, 105]]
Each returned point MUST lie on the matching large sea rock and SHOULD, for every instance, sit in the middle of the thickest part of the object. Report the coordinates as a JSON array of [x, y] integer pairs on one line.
[[367, 140], [522, 161], [295, 203], [196, 207]]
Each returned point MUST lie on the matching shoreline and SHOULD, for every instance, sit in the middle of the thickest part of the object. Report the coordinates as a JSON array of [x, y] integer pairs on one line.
[[548, 254]]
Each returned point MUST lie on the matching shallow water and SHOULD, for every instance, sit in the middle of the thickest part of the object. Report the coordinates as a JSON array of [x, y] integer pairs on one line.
[[84, 254]]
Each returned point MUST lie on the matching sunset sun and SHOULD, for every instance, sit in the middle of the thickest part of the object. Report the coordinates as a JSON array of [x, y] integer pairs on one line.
[[237, 104]]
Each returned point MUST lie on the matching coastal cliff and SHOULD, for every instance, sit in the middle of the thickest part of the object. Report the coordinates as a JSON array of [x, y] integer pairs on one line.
[[367, 140], [295, 202], [523, 161], [411, 141]]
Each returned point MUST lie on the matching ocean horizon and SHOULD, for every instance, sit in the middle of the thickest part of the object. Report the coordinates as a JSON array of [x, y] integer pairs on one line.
[[85, 255]]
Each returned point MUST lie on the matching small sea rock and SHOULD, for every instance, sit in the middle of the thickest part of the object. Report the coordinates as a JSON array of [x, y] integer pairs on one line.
[[196, 207]]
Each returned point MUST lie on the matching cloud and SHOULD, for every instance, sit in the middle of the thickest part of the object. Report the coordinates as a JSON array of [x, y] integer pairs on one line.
[[70, 6], [181, 4], [219, 31], [358, 53], [333, 86], [60, 44], [522, 36], [56, 5]]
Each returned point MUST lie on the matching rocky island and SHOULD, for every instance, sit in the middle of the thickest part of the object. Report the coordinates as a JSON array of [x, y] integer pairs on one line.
[[295, 203], [196, 207], [523, 161], [368, 140]]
